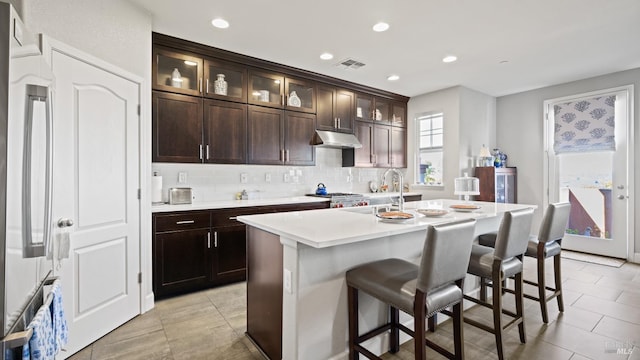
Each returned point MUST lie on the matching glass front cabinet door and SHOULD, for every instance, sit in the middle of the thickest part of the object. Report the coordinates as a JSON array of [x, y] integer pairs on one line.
[[300, 95], [265, 89], [225, 81], [176, 72]]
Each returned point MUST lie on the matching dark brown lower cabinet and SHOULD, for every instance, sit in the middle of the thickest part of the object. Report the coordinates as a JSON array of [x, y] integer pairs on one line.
[[194, 250], [230, 253]]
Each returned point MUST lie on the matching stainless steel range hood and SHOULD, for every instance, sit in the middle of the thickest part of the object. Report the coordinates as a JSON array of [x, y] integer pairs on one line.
[[335, 140]]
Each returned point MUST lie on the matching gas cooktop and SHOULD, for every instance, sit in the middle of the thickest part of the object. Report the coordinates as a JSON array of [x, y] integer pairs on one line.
[[328, 195]]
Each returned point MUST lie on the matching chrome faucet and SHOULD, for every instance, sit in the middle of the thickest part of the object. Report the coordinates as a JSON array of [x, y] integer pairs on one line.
[[400, 177]]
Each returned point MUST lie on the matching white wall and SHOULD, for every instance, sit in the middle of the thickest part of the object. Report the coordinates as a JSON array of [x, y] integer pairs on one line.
[[469, 122], [114, 31], [520, 133]]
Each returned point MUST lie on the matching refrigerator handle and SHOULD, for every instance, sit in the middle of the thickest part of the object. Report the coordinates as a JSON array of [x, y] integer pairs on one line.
[[37, 94]]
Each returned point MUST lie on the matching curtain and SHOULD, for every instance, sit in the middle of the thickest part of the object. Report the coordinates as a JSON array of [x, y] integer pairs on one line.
[[585, 125]]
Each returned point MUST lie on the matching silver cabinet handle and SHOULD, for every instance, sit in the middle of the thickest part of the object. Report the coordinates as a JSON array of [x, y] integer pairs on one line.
[[338, 123], [64, 222], [282, 155], [201, 151], [282, 100], [207, 85], [215, 239], [200, 84], [207, 151], [287, 154], [208, 240], [183, 222]]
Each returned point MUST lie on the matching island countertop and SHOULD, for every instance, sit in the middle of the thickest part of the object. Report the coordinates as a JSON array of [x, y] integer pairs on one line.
[[331, 227]]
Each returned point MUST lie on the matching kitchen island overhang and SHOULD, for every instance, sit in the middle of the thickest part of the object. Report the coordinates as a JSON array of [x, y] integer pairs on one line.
[[316, 249]]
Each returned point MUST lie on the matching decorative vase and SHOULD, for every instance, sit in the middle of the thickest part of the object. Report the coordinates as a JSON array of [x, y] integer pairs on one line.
[[176, 78], [220, 85], [294, 100]]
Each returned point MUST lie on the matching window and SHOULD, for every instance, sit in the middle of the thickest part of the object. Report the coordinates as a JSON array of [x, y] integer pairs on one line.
[[430, 148]]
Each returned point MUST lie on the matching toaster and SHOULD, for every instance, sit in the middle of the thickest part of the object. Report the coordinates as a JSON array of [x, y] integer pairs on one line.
[[180, 195]]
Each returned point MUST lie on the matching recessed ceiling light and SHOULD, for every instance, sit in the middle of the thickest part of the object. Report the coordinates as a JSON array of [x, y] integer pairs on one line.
[[449, 58], [380, 27], [393, 77], [504, 61], [220, 23], [326, 56]]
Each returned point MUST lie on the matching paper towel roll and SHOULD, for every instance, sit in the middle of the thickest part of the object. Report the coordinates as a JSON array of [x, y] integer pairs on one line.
[[156, 189]]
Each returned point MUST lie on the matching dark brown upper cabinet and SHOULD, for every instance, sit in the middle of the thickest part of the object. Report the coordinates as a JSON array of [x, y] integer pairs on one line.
[[380, 110], [277, 91], [335, 109], [177, 128], [278, 137], [399, 114], [300, 95], [225, 132], [225, 81], [265, 89], [372, 108], [177, 72]]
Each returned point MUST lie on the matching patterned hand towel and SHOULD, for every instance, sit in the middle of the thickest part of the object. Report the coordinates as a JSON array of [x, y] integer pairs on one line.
[[42, 344], [60, 329]]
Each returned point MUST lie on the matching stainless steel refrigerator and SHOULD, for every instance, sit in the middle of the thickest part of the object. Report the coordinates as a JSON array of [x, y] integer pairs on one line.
[[26, 84]]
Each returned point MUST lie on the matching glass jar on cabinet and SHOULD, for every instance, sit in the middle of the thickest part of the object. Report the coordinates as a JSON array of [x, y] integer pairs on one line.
[[225, 81]]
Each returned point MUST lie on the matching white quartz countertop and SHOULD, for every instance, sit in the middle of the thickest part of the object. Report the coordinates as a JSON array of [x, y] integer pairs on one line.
[[211, 205], [237, 203], [330, 227]]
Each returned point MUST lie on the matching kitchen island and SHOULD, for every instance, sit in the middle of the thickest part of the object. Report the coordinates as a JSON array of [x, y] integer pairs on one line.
[[296, 291]]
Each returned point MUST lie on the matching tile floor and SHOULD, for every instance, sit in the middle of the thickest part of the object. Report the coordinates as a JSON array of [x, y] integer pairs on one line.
[[602, 316]]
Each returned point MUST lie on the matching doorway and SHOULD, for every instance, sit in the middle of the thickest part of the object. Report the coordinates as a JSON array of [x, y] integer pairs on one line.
[[589, 145]]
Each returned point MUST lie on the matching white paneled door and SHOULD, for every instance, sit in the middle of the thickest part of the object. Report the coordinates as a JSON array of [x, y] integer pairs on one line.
[[596, 173], [96, 181]]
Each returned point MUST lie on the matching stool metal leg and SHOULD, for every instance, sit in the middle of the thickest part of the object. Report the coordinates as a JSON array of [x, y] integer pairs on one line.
[[394, 340], [352, 296]]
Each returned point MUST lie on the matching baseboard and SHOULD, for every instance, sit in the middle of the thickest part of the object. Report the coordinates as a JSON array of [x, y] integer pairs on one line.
[[636, 258], [148, 303]]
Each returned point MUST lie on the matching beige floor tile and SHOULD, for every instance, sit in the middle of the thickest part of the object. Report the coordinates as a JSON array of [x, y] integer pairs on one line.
[[602, 312], [140, 325], [591, 289], [149, 346], [622, 331], [609, 308], [628, 298], [579, 341]]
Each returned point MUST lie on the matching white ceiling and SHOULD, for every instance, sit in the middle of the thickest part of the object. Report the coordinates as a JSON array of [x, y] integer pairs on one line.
[[543, 42]]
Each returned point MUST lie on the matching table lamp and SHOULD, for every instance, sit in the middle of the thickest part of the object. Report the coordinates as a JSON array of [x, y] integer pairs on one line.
[[486, 159], [466, 186]]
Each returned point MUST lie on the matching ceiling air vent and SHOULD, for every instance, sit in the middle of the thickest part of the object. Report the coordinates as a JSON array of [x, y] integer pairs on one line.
[[350, 64]]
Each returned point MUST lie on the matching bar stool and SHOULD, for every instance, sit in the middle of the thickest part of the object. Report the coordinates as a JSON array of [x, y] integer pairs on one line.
[[498, 264], [545, 245], [420, 291]]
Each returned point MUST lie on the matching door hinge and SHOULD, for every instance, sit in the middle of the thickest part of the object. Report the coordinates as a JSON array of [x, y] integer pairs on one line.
[[139, 278], [139, 194], [139, 111]]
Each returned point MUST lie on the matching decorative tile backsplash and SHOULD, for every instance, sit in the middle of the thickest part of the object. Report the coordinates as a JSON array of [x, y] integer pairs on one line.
[[212, 182]]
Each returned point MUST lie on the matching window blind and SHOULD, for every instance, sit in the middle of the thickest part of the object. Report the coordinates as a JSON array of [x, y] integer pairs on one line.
[[585, 125]]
